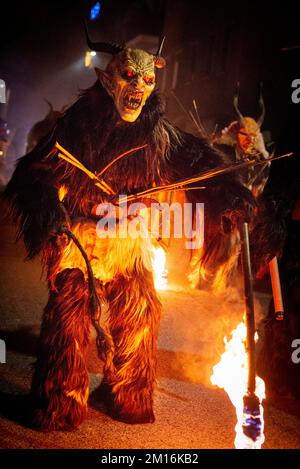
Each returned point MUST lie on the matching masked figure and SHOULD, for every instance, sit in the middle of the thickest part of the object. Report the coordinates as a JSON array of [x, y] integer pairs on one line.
[[245, 137], [119, 112], [42, 128], [5, 146]]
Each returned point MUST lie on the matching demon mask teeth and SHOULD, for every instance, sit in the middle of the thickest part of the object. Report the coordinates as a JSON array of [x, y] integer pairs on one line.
[[130, 80]]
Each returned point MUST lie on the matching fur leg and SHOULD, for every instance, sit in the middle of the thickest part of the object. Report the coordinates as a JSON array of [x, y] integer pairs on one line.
[[219, 260], [60, 383], [134, 320]]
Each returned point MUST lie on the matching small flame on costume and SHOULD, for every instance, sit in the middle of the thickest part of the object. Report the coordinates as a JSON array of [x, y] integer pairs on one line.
[[62, 192], [231, 374], [159, 268]]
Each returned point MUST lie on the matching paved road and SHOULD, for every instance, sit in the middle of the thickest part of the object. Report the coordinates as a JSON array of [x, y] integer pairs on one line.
[[190, 413]]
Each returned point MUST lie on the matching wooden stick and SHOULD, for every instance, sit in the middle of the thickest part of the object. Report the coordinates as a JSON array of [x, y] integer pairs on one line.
[[209, 174], [132, 150], [249, 301], [67, 156]]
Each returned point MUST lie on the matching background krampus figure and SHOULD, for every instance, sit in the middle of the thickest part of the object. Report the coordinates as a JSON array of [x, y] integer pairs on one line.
[[277, 233], [276, 338], [245, 138], [5, 144], [241, 140], [119, 112], [42, 128]]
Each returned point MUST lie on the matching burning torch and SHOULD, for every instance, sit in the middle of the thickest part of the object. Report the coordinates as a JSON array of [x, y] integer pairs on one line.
[[252, 422]]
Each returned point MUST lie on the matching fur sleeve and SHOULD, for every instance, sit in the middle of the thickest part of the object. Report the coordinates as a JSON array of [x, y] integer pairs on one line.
[[33, 198], [223, 195], [227, 203]]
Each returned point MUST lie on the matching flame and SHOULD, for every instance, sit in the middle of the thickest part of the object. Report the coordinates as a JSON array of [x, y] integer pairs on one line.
[[231, 374], [62, 192], [159, 268]]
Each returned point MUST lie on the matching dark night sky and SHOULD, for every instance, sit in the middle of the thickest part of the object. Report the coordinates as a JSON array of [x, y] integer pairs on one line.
[[43, 48]]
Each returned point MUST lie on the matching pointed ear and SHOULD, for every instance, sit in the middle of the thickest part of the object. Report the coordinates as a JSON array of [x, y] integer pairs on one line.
[[105, 79]]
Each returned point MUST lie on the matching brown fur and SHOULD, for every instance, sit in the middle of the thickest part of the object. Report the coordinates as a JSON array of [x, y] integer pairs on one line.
[[134, 320], [60, 382], [92, 131]]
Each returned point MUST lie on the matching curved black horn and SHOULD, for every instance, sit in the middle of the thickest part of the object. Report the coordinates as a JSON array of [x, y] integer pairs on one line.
[[262, 107], [109, 48], [236, 103], [160, 47]]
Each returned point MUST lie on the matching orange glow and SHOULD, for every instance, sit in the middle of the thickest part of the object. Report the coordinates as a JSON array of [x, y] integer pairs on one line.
[[231, 374], [62, 192], [159, 268], [276, 287]]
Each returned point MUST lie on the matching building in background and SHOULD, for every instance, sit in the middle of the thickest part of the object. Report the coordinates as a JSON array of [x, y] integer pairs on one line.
[[210, 46]]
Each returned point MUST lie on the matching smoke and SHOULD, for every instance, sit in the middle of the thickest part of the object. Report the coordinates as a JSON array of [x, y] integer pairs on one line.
[[193, 328]]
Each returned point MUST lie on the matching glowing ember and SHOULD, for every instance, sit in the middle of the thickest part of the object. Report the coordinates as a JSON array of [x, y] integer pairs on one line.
[[159, 268], [231, 374], [62, 192]]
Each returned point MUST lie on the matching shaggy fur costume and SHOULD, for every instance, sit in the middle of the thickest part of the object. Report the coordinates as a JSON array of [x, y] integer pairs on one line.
[[93, 132]]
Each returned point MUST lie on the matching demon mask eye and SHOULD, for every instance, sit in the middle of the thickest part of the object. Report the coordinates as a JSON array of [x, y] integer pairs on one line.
[[149, 79], [127, 74]]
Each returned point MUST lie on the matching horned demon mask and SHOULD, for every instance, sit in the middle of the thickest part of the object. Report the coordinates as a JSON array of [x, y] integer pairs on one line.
[[248, 131], [245, 133], [129, 77]]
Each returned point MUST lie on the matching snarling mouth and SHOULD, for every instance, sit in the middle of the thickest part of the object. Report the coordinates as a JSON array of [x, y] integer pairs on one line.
[[133, 99]]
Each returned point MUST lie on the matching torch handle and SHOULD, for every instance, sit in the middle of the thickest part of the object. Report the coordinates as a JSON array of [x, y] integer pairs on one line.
[[276, 289], [249, 302]]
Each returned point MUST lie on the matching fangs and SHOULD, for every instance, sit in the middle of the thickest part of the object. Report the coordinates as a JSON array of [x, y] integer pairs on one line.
[[133, 100]]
